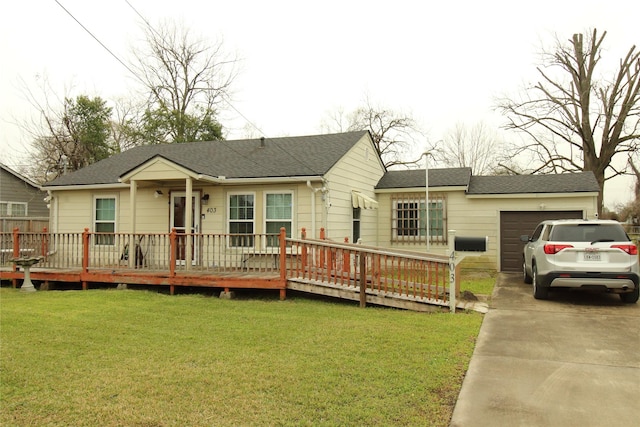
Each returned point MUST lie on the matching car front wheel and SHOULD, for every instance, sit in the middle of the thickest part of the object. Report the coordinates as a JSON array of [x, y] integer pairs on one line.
[[631, 297], [539, 292]]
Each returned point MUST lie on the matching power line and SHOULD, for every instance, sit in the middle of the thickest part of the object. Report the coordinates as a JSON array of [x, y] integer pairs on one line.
[[224, 97], [99, 42], [141, 80], [145, 20]]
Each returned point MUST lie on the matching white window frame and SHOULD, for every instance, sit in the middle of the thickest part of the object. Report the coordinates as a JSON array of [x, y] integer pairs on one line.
[[10, 208], [266, 220], [229, 220], [94, 222]]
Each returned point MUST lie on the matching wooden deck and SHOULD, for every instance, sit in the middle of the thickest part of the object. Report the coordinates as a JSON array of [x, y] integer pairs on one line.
[[366, 274], [226, 280]]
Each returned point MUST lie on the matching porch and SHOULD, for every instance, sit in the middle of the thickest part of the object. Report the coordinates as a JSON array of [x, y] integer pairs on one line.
[[369, 275]]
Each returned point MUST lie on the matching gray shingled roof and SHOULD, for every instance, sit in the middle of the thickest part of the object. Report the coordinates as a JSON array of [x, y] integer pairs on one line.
[[280, 157], [414, 178], [518, 184], [508, 184]]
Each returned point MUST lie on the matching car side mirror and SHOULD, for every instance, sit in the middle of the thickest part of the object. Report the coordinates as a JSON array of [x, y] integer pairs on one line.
[[524, 238]]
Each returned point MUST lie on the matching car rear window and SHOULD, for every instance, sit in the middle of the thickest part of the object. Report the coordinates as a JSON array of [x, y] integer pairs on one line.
[[588, 233]]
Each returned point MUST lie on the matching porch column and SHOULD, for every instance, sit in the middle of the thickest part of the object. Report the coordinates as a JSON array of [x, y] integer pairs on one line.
[[188, 221], [133, 190]]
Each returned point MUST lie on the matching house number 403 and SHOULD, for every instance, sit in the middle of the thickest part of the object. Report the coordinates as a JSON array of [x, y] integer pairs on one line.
[[211, 210]]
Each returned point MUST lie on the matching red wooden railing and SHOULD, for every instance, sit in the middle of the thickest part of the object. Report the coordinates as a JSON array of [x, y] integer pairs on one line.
[[145, 251], [371, 270]]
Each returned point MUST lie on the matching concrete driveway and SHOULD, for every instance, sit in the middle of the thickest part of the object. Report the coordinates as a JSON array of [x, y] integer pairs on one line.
[[573, 360]]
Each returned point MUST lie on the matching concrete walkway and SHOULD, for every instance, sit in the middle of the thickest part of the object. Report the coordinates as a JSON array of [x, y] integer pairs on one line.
[[573, 360]]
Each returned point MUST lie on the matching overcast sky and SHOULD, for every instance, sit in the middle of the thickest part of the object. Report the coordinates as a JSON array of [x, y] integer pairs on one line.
[[443, 62]]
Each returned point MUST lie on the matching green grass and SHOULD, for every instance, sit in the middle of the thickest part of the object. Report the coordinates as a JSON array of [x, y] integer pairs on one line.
[[478, 282], [139, 358]]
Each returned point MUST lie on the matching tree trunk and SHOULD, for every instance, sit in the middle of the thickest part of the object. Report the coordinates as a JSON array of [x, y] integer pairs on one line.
[[599, 173], [636, 172]]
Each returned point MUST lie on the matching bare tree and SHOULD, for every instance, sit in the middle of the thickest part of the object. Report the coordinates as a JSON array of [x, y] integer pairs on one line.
[[476, 147], [125, 123], [394, 133], [576, 121], [185, 80], [631, 211], [336, 120]]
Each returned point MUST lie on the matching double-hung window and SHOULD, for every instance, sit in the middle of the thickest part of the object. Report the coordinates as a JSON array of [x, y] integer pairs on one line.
[[409, 218], [278, 214], [241, 219], [104, 219], [13, 209]]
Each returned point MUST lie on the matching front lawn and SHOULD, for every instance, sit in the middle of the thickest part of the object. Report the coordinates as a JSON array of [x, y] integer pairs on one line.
[[478, 282], [139, 358]]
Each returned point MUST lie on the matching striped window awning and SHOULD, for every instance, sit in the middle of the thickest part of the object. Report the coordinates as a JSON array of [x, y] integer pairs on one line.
[[361, 201]]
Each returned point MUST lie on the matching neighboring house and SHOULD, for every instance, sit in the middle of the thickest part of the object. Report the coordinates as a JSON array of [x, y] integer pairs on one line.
[[22, 203], [336, 182]]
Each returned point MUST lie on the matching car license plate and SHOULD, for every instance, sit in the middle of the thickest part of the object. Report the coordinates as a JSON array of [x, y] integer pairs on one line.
[[592, 256]]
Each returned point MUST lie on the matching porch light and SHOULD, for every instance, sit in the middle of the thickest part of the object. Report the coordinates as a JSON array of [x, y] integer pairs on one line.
[[205, 199], [157, 194]]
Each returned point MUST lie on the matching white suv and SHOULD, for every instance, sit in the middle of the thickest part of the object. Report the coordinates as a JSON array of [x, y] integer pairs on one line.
[[574, 253]]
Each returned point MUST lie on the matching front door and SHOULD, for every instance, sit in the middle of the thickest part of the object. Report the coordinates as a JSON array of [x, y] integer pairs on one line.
[[178, 221]]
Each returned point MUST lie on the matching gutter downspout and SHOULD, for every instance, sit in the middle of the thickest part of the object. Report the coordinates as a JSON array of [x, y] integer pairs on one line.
[[52, 206], [323, 189]]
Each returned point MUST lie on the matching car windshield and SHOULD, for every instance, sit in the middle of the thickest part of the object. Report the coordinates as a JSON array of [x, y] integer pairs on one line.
[[588, 233]]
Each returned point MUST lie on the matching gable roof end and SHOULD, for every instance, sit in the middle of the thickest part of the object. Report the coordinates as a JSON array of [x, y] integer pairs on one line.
[[19, 176]]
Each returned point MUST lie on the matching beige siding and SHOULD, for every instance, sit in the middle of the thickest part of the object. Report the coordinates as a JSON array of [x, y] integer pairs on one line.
[[385, 215], [213, 213], [480, 216], [75, 210], [360, 170], [153, 213], [159, 170], [301, 206], [259, 208]]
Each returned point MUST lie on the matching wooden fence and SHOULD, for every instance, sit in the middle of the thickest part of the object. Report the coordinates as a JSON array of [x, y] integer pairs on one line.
[[27, 225]]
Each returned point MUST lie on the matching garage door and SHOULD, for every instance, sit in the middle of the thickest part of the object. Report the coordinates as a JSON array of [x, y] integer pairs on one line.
[[515, 224]]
